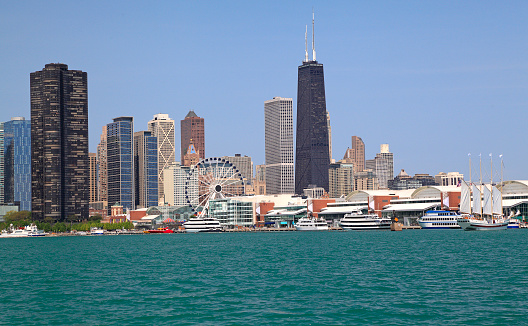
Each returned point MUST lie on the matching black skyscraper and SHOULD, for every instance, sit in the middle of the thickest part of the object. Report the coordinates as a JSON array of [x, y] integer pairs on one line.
[[312, 156], [59, 143]]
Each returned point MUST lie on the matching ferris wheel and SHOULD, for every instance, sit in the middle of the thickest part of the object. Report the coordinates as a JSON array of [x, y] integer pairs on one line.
[[210, 179]]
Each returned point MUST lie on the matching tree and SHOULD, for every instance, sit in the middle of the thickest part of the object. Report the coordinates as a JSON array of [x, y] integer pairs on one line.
[[13, 216]]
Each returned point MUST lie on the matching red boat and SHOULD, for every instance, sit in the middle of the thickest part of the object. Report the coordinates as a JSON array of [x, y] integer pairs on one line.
[[161, 230]]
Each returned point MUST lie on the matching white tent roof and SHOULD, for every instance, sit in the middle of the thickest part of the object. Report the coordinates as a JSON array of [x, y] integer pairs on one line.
[[410, 207], [508, 203], [149, 217], [341, 209]]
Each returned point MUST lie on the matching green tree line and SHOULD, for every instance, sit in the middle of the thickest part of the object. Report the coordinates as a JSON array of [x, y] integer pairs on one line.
[[23, 218]]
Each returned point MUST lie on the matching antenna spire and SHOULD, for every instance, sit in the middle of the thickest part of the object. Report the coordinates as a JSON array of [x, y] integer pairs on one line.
[[313, 35], [306, 45]]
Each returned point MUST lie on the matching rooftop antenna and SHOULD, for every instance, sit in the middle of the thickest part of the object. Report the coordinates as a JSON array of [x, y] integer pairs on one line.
[[313, 35], [306, 45]]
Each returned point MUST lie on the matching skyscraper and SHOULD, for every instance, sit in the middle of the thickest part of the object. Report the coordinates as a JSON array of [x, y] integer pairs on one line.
[[102, 171], [244, 164], [384, 166], [92, 157], [312, 148], [341, 179], [278, 128], [17, 162], [59, 143], [120, 162], [162, 127], [2, 167], [192, 127], [145, 169], [356, 154]]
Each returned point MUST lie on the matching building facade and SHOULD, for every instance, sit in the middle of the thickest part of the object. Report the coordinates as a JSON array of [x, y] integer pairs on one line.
[[176, 178], [2, 167], [146, 169], [92, 159], [259, 182], [384, 166], [244, 165], [356, 154], [120, 162], [102, 170], [449, 179], [163, 128], [341, 179], [312, 155], [59, 143], [192, 127], [278, 126]]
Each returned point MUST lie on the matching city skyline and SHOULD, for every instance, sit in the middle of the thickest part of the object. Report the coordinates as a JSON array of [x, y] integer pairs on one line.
[[393, 72]]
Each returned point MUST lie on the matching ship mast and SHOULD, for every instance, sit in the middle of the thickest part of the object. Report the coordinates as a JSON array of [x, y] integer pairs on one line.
[[491, 184]]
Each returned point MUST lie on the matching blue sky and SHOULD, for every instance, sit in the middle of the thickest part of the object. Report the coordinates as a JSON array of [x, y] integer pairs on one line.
[[434, 79]]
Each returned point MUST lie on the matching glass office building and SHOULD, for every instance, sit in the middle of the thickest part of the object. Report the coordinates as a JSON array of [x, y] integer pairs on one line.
[[17, 162], [120, 162]]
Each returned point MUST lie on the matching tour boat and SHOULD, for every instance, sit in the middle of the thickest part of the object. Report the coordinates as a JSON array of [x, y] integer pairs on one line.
[[311, 224], [27, 231], [96, 231], [161, 230], [359, 221], [439, 220], [202, 224]]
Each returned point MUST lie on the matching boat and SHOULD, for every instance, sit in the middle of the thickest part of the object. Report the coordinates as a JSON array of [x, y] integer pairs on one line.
[[27, 231], [359, 221], [439, 220], [481, 206], [96, 231], [514, 224], [202, 224], [311, 224], [160, 230]]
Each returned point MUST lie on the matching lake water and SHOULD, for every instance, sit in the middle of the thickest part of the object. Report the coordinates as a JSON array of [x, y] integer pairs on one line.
[[294, 278]]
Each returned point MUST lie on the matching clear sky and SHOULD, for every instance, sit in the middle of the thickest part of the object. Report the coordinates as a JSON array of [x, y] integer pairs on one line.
[[436, 80]]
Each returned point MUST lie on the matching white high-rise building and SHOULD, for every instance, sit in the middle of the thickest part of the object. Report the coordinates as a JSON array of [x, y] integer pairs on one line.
[[162, 127], [175, 177], [384, 166], [278, 119]]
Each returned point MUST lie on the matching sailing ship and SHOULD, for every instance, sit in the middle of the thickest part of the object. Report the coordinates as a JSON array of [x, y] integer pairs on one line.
[[481, 206]]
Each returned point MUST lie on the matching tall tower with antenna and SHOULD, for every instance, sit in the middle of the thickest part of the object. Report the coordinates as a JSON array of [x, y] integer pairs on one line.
[[312, 157]]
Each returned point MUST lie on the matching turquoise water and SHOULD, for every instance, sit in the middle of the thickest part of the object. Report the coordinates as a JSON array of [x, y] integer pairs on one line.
[[294, 278]]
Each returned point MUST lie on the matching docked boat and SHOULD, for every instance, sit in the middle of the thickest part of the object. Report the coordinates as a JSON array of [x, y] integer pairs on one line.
[[96, 231], [27, 231], [202, 224], [359, 221], [514, 223], [311, 224], [439, 220], [481, 207], [160, 230]]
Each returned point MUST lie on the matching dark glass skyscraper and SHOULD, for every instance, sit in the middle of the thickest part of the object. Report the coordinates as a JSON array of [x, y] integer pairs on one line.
[[17, 162], [59, 143], [146, 169], [120, 162], [312, 158]]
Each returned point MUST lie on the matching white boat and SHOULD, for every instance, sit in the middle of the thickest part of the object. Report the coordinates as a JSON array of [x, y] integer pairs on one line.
[[205, 224], [472, 223], [481, 207], [97, 231], [514, 224], [27, 231], [359, 221], [439, 220], [311, 224]]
